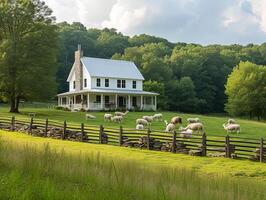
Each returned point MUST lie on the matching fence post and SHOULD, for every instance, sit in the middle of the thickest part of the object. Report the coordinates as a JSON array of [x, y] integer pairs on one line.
[[204, 144], [227, 147], [12, 128], [101, 134], [82, 132], [46, 128], [64, 130], [148, 138], [261, 149], [121, 136], [31, 123], [174, 142]]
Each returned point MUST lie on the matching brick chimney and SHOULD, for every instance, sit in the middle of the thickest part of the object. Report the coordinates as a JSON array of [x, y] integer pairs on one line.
[[78, 69]]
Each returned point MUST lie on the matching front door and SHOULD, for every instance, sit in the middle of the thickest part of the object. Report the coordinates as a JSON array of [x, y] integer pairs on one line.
[[121, 101]]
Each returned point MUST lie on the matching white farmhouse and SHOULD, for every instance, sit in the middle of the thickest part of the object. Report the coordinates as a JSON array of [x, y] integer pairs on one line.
[[104, 84]]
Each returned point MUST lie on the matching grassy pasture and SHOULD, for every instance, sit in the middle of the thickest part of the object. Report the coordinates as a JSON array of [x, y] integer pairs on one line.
[[212, 124], [43, 168]]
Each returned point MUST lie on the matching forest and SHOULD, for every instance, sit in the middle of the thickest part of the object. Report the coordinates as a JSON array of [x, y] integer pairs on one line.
[[189, 77]]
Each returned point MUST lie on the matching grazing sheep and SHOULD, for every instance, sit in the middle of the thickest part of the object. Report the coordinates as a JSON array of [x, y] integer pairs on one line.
[[176, 120], [142, 121], [107, 117], [170, 127], [158, 117], [121, 113], [117, 119], [232, 128], [193, 120], [88, 116], [148, 118], [139, 127], [231, 121], [194, 127]]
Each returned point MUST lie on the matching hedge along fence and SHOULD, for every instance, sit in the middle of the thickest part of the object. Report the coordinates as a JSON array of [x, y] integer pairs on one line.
[[197, 145]]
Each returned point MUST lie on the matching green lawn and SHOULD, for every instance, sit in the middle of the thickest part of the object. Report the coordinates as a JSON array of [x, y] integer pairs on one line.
[[212, 124], [43, 168]]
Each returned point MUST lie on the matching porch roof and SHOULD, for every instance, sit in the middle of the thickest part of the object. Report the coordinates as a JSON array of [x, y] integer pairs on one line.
[[110, 91]]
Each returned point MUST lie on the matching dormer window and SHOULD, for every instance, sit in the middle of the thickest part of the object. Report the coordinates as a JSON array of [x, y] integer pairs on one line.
[[118, 83], [85, 82], [74, 84], [106, 82], [98, 82], [134, 84], [123, 83]]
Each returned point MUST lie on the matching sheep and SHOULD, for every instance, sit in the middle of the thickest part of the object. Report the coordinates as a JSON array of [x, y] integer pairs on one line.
[[194, 127], [170, 127], [121, 113], [176, 120], [186, 134], [148, 118], [142, 121], [107, 117], [231, 121], [139, 127], [117, 119], [88, 116], [158, 117], [193, 120], [232, 128]]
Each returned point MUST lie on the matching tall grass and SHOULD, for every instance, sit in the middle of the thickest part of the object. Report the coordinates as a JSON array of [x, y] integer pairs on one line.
[[31, 173]]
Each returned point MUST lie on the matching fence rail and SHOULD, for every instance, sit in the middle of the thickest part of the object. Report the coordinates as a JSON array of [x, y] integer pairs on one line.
[[197, 145]]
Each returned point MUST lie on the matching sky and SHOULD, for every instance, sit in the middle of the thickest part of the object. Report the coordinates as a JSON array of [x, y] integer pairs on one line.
[[192, 21]]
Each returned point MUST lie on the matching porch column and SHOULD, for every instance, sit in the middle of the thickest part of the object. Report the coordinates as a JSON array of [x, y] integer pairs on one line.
[[74, 100], [88, 101], [116, 96], [102, 105], [129, 103], [58, 101], [155, 103], [141, 102]]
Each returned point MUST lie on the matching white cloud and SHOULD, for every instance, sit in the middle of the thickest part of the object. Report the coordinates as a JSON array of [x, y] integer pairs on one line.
[[259, 9]]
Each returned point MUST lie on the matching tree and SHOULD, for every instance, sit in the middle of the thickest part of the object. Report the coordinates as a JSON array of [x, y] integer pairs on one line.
[[246, 91], [28, 47]]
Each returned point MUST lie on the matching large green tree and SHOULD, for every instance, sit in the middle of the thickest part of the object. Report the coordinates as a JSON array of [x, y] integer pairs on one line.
[[28, 46], [246, 90]]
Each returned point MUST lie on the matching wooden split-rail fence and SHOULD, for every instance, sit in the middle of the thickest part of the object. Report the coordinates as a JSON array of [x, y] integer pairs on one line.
[[196, 144]]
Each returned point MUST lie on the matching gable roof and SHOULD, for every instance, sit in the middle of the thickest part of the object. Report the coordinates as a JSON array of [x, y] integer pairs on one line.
[[99, 67]]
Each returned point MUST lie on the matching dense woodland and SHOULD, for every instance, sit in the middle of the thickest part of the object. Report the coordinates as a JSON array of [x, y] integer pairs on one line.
[[36, 57], [189, 77]]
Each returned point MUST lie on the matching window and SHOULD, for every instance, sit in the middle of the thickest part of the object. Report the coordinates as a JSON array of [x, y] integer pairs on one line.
[[85, 82], [134, 84], [123, 83], [98, 82], [118, 83], [98, 99], [106, 99], [134, 101], [74, 84], [106, 82]]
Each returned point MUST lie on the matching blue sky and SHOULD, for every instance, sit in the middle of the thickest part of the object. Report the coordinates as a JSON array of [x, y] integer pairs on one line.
[[196, 21]]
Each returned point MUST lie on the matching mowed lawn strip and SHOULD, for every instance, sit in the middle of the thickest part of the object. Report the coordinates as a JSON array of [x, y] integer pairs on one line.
[[202, 165]]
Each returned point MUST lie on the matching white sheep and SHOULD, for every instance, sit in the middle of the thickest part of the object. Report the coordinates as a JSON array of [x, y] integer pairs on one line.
[[117, 119], [121, 113], [232, 128], [194, 127], [139, 127], [170, 127], [193, 120], [158, 117], [148, 118], [142, 121], [231, 121], [88, 116], [107, 117], [187, 132]]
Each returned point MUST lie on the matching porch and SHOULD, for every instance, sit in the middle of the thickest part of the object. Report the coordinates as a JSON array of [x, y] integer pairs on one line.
[[105, 101]]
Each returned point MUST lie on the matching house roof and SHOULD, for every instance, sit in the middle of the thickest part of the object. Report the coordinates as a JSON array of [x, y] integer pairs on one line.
[[99, 67], [110, 91]]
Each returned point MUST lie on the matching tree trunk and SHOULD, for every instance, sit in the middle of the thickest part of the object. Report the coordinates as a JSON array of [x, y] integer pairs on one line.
[[13, 104], [17, 104]]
